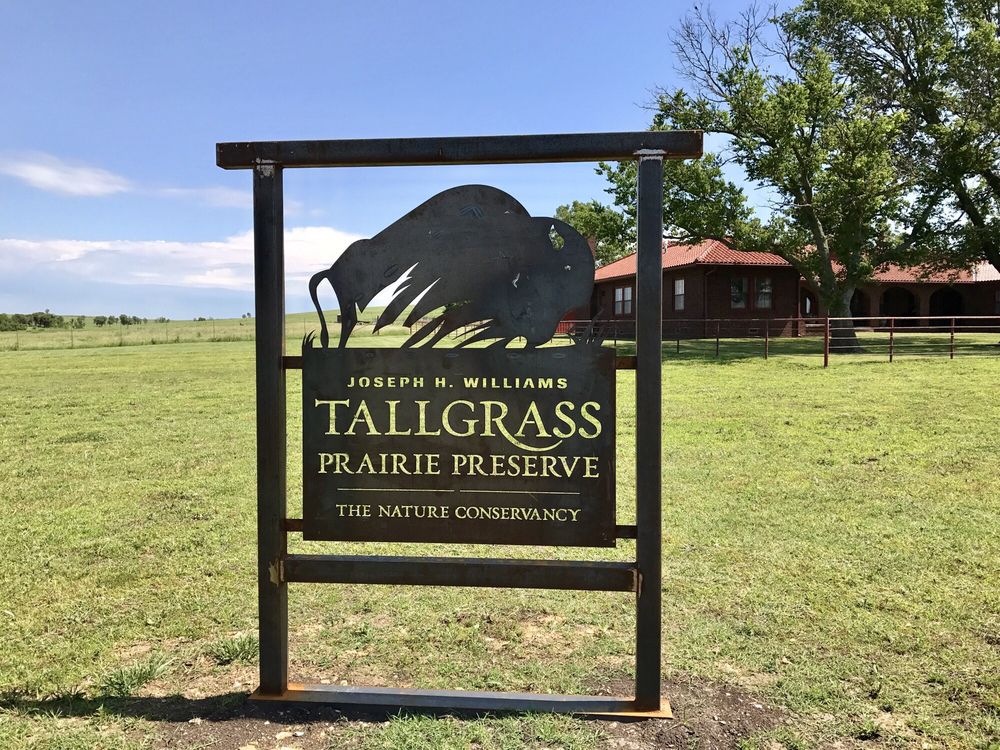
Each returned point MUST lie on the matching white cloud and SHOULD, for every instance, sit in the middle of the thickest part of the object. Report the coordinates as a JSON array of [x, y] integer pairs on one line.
[[221, 264], [52, 174], [220, 197], [47, 172]]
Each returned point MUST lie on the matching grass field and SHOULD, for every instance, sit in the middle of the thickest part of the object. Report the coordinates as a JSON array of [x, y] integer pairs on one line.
[[968, 341], [832, 548]]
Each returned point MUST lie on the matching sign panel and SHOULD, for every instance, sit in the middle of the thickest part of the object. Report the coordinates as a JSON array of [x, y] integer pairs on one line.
[[492, 446]]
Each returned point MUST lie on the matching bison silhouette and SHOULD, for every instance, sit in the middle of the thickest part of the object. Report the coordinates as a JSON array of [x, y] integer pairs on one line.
[[474, 253]]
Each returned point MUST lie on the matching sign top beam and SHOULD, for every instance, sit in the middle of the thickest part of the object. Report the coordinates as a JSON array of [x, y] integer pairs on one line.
[[499, 149]]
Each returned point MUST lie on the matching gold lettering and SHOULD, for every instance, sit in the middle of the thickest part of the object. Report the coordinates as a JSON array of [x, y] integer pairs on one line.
[[469, 423], [561, 408], [333, 413], [422, 420], [590, 418], [393, 430], [361, 415], [532, 417]]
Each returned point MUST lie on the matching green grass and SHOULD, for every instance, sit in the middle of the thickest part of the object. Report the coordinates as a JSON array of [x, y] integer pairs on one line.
[[126, 681], [238, 648], [832, 544]]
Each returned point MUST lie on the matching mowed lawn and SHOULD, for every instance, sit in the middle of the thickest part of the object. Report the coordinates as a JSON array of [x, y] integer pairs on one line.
[[832, 546]]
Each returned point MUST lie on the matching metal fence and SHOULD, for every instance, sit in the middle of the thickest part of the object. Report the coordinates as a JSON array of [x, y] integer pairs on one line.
[[883, 337]]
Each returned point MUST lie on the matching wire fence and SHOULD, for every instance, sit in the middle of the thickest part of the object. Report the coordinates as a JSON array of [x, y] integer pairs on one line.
[[885, 338], [881, 338]]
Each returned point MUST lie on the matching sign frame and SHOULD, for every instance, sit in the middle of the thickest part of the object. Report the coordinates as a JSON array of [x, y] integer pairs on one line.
[[277, 568]]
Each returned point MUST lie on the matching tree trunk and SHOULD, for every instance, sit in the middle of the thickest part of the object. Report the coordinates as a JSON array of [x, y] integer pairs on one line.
[[843, 338]]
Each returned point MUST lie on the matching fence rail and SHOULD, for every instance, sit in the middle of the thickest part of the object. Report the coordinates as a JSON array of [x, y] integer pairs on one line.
[[888, 337]]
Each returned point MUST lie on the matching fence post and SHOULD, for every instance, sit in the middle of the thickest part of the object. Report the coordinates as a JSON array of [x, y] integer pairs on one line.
[[678, 344], [717, 326], [826, 342], [71, 336], [892, 330], [767, 338], [951, 350]]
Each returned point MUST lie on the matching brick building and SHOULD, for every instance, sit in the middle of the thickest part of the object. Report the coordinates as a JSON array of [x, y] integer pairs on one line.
[[708, 282]]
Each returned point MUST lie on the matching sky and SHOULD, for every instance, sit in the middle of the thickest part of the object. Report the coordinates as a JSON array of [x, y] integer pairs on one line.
[[110, 199]]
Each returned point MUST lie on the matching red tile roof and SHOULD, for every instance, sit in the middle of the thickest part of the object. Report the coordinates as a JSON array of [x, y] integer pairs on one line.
[[712, 252], [709, 252], [893, 274]]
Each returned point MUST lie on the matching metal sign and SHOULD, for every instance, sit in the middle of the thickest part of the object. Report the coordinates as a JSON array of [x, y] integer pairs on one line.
[[490, 446], [501, 276]]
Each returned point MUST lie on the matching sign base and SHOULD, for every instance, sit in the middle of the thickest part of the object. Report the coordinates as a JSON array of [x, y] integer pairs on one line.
[[462, 700]]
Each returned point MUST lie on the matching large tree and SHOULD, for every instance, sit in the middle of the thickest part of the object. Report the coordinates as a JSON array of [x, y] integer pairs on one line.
[[938, 63], [821, 151]]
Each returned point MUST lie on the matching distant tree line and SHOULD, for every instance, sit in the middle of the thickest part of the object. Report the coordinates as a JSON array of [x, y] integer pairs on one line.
[[123, 319], [46, 319]]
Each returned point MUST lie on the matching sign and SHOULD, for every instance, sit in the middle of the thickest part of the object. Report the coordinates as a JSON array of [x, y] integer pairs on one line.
[[493, 446]]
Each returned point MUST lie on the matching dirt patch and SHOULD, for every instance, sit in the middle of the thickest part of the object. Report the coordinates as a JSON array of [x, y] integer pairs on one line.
[[249, 726], [707, 715]]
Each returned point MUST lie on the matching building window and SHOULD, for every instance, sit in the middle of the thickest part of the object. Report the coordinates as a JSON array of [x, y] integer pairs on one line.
[[678, 294], [738, 290], [763, 292], [623, 300]]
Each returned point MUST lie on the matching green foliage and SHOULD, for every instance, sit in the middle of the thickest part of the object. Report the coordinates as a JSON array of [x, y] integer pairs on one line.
[[610, 230], [798, 129], [936, 65], [126, 681], [239, 648]]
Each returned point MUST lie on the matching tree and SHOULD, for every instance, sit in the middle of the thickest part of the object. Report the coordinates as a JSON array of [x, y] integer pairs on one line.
[[937, 63], [605, 228], [823, 151], [99, 321], [125, 320]]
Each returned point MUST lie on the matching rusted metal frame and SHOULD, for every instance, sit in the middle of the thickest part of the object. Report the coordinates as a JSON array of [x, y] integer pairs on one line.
[[648, 429], [622, 362], [463, 700], [503, 149], [622, 531], [269, 288], [575, 575], [271, 365], [478, 701]]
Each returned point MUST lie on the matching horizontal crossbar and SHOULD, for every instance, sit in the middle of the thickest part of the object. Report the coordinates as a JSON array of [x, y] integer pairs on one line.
[[622, 531], [461, 571], [498, 149], [347, 695], [294, 362]]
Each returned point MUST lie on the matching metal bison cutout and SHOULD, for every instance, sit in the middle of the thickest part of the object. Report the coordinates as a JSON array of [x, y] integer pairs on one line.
[[475, 252]]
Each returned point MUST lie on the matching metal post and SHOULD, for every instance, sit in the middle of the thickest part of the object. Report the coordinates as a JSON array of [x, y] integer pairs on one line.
[[269, 289], [648, 340], [892, 328], [826, 343], [767, 339], [717, 326], [951, 349]]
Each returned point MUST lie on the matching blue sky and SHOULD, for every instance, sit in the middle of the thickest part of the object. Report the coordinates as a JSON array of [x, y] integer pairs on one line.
[[110, 200]]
